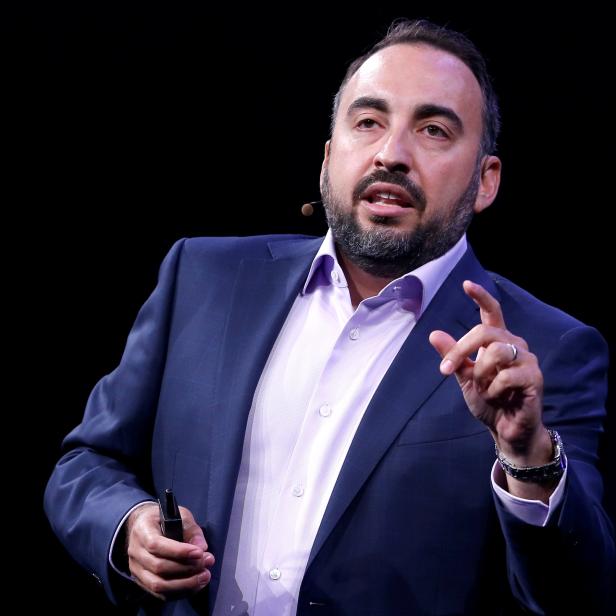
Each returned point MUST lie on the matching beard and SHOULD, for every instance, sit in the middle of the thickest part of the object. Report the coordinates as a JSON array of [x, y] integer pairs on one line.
[[382, 250]]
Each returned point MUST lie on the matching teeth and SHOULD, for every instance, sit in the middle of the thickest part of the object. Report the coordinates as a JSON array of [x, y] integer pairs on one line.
[[386, 195]]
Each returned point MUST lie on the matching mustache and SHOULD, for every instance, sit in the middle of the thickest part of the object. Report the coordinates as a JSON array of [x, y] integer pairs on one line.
[[399, 179]]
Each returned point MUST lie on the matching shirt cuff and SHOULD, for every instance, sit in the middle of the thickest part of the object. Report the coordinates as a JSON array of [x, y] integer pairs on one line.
[[532, 512], [115, 535]]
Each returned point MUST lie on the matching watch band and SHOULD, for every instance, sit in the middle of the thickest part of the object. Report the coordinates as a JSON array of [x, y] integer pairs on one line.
[[537, 474]]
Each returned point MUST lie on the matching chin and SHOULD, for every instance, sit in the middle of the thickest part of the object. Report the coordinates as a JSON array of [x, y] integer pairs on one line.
[[373, 221]]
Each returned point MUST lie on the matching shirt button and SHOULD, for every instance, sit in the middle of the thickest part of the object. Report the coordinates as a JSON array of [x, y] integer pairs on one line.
[[335, 276], [325, 410], [354, 333], [298, 491], [274, 574]]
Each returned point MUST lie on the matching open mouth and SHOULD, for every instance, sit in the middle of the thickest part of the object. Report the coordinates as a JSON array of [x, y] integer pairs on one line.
[[381, 194], [386, 200], [383, 198]]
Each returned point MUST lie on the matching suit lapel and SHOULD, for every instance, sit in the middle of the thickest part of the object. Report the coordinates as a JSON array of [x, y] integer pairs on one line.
[[412, 377]]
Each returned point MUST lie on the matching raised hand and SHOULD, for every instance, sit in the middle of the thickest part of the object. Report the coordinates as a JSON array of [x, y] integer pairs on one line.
[[502, 386]]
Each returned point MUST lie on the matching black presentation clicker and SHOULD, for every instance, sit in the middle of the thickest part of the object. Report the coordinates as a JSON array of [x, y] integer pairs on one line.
[[170, 518]]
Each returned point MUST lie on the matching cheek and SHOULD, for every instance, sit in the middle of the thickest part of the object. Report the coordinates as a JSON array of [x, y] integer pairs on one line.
[[444, 183], [341, 174], [347, 157]]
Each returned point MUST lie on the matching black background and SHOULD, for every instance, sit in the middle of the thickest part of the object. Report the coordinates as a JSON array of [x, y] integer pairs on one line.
[[129, 125]]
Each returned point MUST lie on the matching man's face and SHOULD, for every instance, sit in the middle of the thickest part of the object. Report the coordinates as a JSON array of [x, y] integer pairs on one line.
[[401, 176]]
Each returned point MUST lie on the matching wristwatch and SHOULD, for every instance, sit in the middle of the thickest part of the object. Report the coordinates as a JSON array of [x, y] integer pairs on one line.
[[538, 474]]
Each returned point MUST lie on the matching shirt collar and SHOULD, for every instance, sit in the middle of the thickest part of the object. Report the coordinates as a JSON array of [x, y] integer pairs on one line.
[[413, 289]]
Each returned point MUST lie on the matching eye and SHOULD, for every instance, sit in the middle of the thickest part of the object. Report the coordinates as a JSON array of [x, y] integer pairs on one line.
[[366, 123], [434, 130]]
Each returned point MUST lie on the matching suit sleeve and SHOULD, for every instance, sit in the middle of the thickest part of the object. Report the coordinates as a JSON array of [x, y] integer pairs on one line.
[[568, 566], [105, 468]]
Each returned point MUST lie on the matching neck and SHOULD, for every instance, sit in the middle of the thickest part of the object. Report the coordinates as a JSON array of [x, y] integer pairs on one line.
[[361, 284]]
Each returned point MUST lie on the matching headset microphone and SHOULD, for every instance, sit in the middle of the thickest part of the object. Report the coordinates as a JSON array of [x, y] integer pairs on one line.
[[308, 208]]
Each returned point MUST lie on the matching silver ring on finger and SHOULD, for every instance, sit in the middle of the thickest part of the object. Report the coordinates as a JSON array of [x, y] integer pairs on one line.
[[514, 351]]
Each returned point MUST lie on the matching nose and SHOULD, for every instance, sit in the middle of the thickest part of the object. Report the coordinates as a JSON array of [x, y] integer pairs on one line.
[[394, 153]]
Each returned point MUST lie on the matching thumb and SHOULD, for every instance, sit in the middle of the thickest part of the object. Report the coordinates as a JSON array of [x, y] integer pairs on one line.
[[196, 537], [192, 531], [441, 341]]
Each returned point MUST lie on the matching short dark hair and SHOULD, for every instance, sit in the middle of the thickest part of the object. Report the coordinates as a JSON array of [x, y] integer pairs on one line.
[[421, 31]]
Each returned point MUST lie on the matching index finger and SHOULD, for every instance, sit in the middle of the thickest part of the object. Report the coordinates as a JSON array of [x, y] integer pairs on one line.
[[489, 308]]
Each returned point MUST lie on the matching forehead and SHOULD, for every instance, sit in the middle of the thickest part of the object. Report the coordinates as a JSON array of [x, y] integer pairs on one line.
[[407, 75]]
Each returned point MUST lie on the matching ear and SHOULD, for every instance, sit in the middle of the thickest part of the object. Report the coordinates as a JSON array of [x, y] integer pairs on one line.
[[488, 183], [325, 157]]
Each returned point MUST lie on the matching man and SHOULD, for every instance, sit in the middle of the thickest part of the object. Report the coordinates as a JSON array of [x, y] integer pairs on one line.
[[327, 410]]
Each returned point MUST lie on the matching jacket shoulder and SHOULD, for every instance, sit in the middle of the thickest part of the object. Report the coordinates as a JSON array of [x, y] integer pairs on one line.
[[231, 249]]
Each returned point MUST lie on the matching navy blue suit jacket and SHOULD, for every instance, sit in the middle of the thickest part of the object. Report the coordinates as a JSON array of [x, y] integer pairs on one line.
[[412, 526]]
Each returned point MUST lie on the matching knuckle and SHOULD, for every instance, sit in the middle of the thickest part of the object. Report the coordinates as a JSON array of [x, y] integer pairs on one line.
[[505, 378], [156, 567], [493, 347], [157, 585], [150, 543]]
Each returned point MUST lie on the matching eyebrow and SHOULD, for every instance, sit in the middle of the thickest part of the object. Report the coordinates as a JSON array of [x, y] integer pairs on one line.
[[430, 110], [368, 102], [427, 110]]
